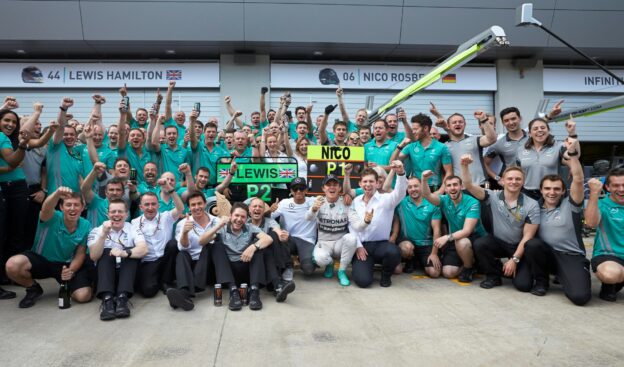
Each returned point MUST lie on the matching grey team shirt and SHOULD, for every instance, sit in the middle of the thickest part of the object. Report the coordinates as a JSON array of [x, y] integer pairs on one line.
[[560, 227], [508, 223], [539, 164], [468, 145], [507, 149]]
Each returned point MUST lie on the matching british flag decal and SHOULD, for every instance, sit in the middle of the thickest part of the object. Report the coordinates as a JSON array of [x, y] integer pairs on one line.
[[174, 74], [287, 173], [223, 173]]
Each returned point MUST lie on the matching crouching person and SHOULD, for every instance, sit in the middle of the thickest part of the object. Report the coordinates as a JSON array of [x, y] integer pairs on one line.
[[117, 249], [59, 250]]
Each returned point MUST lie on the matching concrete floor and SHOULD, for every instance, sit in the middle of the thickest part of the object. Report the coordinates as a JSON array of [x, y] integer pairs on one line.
[[418, 321]]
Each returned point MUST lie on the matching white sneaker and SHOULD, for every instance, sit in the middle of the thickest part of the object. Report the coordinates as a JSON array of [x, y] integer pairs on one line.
[[288, 274]]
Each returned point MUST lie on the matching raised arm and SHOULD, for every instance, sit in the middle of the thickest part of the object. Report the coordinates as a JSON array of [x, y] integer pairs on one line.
[[341, 105], [286, 142], [152, 125], [433, 198], [29, 124], [440, 120], [409, 133], [155, 143], [228, 179], [47, 208], [88, 134], [346, 182], [263, 113], [474, 190], [177, 201], [123, 135], [192, 136], [323, 125], [123, 91], [577, 191], [96, 112], [487, 123], [66, 103], [86, 187], [592, 213], [232, 111], [309, 118], [169, 100], [43, 140]]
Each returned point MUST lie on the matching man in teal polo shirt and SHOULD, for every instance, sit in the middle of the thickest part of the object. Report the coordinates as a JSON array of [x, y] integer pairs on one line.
[[206, 153], [426, 153], [94, 136], [607, 216], [63, 161], [137, 153], [176, 119], [59, 250], [378, 152], [171, 155], [416, 224], [463, 213]]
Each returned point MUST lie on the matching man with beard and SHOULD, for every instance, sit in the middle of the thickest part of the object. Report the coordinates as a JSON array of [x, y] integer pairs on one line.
[[277, 255], [463, 213], [298, 233], [207, 153], [195, 235], [392, 120], [137, 154], [607, 216], [59, 250], [97, 207], [334, 240], [416, 225], [200, 183], [559, 252], [172, 119], [116, 248], [63, 164], [376, 209], [157, 267], [515, 220], [150, 178]]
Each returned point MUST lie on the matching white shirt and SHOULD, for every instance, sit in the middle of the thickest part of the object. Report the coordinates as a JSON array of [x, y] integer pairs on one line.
[[384, 204], [127, 238], [194, 247], [293, 219], [157, 232]]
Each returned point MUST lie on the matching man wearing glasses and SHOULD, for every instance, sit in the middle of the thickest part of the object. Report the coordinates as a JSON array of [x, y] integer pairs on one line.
[[157, 267], [117, 248]]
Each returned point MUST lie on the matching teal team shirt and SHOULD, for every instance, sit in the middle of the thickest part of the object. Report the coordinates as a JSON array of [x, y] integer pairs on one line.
[[456, 215], [171, 159], [15, 174], [136, 161], [203, 157], [64, 168], [416, 220], [379, 154], [97, 211], [181, 130], [610, 230], [105, 154], [430, 158], [54, 241]]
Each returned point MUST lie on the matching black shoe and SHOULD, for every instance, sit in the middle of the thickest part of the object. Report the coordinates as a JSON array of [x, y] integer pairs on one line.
[[409, 266], [4, 294], [539, 289], [178, 298], [107, 309], [491, 283], [235, 301], [283, 289], [121, 306], [386, 280], [466, 275], [608, 292], [32, 294], [254, 300]]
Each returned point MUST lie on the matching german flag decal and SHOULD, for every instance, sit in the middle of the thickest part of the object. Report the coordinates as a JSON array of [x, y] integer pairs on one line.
[[449, 78]]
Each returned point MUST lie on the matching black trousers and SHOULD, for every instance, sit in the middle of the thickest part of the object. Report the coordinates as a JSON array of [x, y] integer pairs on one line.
[[3, 250], [276, 257], [237, 272], [304, 250], [489, 249], [572, 269], [32, 217], [152, 274], [108, 273], [379, 252], [192, 275], [16, 197]]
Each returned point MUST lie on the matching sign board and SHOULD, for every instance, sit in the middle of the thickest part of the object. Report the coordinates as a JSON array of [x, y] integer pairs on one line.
[[324, 160], [380, 77], [108, 75], [258, 173], [582, 80]]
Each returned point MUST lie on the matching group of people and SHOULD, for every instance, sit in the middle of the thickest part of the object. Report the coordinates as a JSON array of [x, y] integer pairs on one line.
[[139, 206]]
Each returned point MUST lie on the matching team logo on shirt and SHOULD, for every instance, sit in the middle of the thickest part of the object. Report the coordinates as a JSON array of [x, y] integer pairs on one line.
[[613, 211]]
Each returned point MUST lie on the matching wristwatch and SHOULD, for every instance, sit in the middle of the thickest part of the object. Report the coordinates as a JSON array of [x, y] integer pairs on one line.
[[256, 246], [129, 252], [515, 259]]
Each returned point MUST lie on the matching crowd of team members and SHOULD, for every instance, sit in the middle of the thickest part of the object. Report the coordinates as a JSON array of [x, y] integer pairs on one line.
[[138, 208]]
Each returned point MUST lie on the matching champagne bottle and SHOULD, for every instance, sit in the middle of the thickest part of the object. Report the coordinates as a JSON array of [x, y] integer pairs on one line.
[[64, 297]]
